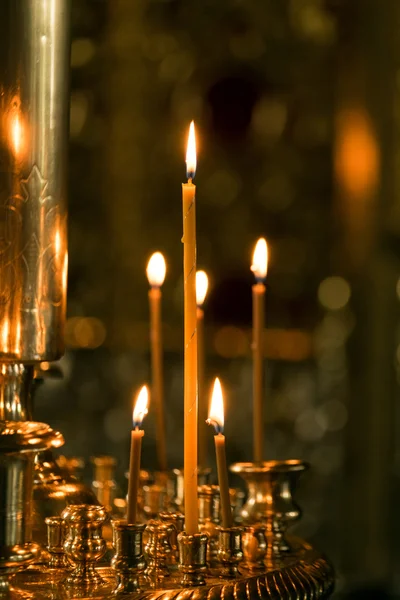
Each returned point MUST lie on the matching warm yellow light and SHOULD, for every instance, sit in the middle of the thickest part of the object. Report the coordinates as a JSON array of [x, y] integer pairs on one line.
[[17, 348], [191, 160], [4, 335], [57, 243], [216, 414], [16, 133], [156, 269], [201, 287], [260, 259], [140, 410]]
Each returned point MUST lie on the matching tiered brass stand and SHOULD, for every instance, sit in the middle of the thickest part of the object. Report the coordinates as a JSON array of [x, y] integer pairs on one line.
[[155, 558], [155, 561]]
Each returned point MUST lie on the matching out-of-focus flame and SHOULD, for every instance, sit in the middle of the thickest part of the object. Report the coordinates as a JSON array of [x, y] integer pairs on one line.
[[156, 269], [140, 410], [191, 159], [216, 414], [201, 287], [260, 259]]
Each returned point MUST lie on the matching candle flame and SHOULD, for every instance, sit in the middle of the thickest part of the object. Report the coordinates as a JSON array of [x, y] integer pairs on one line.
[[191, 160], [260, 259], [156, 269], [216, 414], [140, 410], [201, 287]]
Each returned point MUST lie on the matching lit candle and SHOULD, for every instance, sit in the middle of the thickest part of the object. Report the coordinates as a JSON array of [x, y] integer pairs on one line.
[[139, 412], [156, 274], [259, 268], [201, 292], [216, 418], [190, 335]]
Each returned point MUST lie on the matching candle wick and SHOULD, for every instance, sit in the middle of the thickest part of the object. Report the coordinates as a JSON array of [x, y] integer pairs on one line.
[[190, 180]]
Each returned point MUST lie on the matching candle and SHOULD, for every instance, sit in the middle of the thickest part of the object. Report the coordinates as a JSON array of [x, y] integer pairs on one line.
[[190, 339], [259, 268], [216, 418], [156, 274], [139, 412], [201, 292]]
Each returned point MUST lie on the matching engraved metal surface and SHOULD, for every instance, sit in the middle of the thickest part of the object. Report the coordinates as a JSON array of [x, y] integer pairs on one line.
[[305, 575], [34, 67]]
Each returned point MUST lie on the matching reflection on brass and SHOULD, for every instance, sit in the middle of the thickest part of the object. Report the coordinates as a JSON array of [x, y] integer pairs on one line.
[[34, 64], [254, 544], [15, 392]]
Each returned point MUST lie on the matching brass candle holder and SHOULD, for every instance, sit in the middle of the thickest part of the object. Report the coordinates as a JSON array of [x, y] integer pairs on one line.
[[192, 558], [230, 551], [270, 499], [84, 544], [56, 531], [129, 561]]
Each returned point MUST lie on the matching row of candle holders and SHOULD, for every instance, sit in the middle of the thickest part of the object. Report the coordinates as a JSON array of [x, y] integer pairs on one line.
[[157, 553]]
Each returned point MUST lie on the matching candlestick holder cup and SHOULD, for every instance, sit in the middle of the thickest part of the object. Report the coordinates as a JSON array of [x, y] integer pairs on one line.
[[129, 560], [177, 520], [209, 519], [84, 544], [230, 550], [158, 550], [270, 499], [55, 543], [192, 558]]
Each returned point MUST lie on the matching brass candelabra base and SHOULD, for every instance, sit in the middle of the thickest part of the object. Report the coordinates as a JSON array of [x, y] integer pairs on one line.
[[302, 575]]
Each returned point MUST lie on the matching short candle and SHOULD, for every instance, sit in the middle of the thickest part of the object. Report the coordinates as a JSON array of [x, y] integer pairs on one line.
[[139, 412], [216, 418]]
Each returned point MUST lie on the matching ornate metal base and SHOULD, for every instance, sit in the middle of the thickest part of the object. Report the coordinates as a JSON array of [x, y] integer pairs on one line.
[[304, 574]]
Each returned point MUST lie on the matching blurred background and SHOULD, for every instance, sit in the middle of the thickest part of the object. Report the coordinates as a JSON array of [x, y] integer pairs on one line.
[[296, 104]]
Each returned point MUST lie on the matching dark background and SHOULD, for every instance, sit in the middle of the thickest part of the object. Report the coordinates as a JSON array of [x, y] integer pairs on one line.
[[296, 104]]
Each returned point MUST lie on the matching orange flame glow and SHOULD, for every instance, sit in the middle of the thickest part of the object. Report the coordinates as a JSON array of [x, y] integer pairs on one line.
[[260, 259], [140, 410], [201, 287], [16, 133], [156, 269], [191, 159], [216, 414], [4, 335]]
